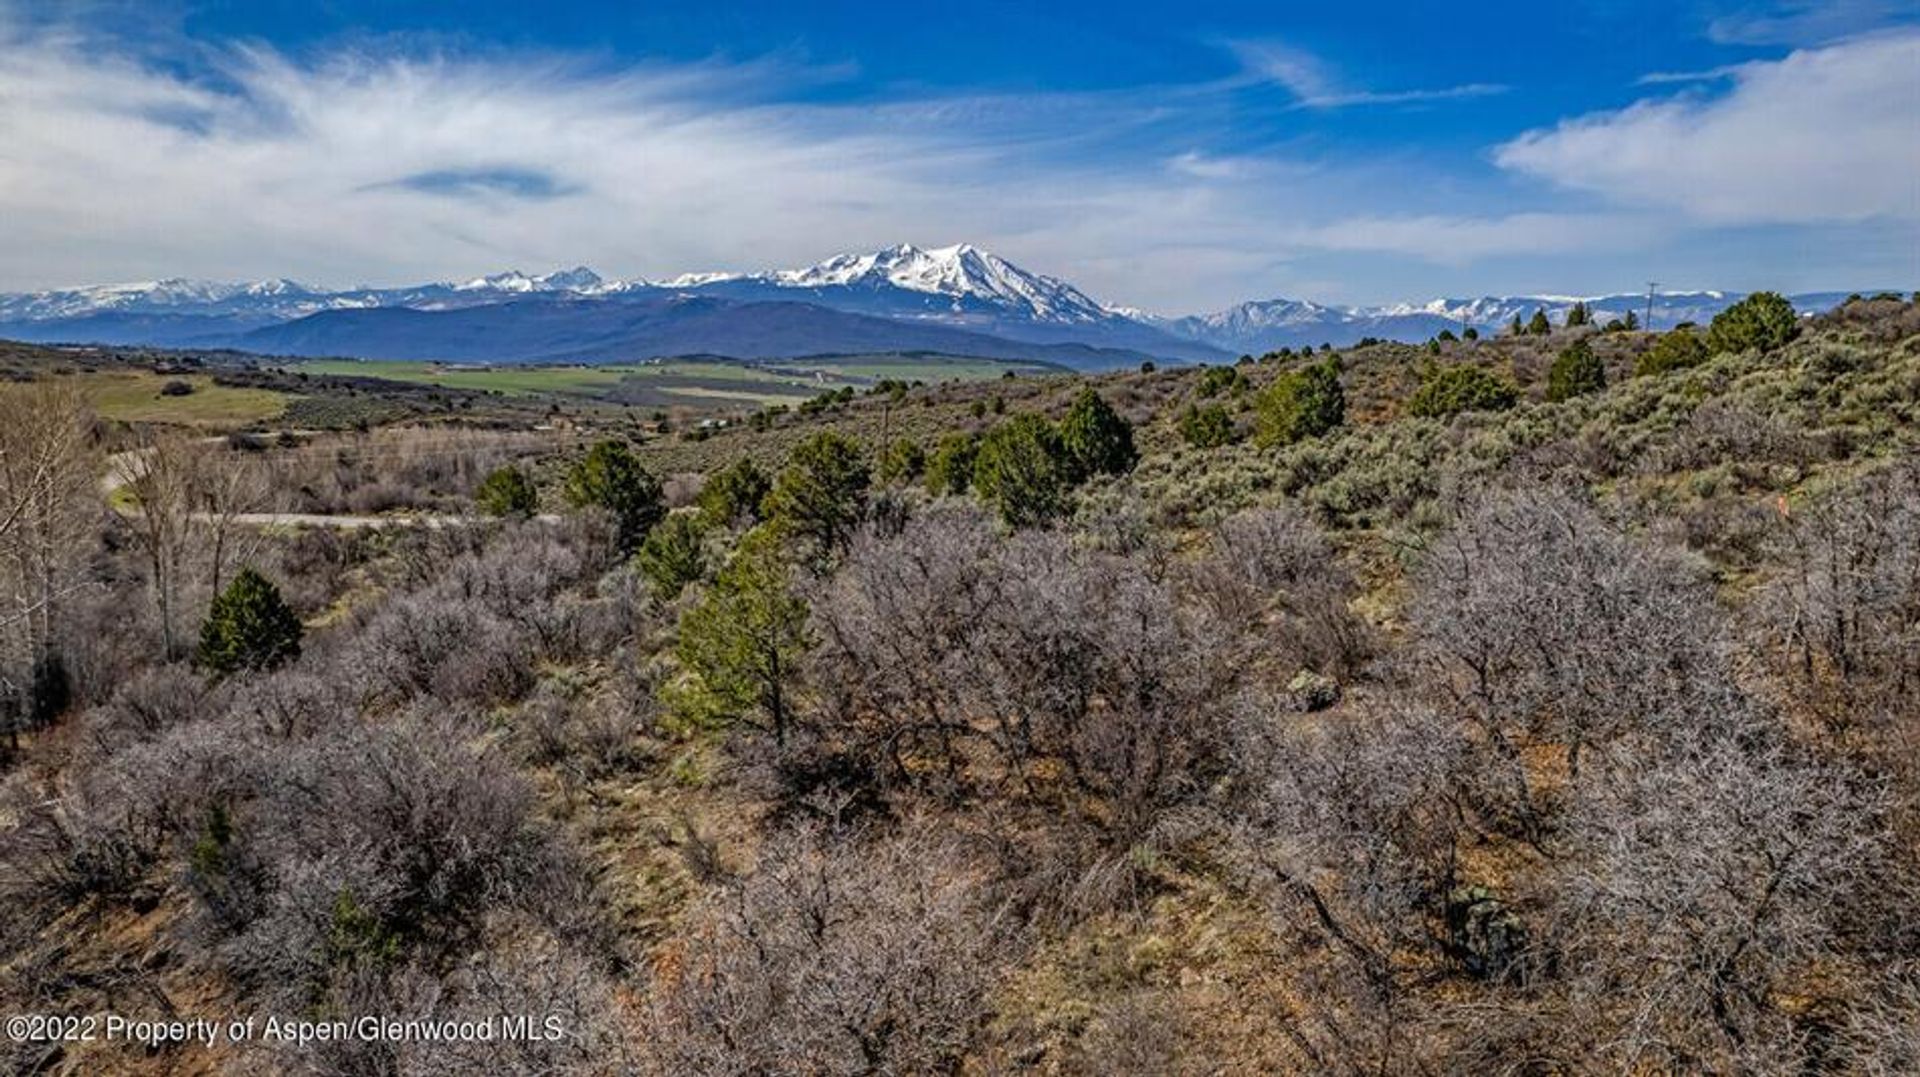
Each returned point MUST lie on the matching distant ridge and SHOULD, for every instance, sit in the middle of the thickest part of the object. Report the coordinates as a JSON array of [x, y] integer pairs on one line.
[[901, 298]]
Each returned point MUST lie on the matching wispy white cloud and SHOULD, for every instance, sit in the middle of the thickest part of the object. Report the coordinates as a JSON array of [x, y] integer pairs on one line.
[[1822, 135], [1806, 22], [385, 167], [1315, 84], [1711, 74]]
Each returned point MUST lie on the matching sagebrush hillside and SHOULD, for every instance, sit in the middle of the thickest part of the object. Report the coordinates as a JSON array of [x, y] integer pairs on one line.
[[1540, 704]]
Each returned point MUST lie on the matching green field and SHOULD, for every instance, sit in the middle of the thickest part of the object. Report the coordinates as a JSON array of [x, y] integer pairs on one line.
[[700, 384], [511, 380], [136, 398]]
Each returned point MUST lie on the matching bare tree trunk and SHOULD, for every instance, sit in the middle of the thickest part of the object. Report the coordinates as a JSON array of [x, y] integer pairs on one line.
[[47, 500]]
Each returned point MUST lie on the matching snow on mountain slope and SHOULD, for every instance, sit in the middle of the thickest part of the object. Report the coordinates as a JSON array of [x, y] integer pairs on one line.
[[963, 273], [959, 286], [1264, 325]]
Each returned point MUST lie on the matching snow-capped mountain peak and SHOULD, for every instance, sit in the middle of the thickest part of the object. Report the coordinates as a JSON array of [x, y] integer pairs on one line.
[[962, 271], [577, 279]]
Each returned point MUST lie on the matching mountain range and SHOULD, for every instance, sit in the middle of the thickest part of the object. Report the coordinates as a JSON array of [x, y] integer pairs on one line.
[[958, 300]]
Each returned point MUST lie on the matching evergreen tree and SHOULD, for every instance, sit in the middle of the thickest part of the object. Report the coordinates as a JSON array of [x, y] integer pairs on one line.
[[1514, 328], [1576, 371], [1206, 427], [1307, 403], [1630, 322], [1454, 389], [733, 494], [611, 477], [249, 626], [902, 462], [1538, 325], [506, 491], [1095, 440], [1577, 316], [821, 495], [1020, 470], [744, 640], [1675, 350], [674, 555], [950, 469], [1763, 320]]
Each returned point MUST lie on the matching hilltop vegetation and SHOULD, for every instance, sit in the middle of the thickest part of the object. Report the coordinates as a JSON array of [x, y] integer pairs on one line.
[[1539, 703]]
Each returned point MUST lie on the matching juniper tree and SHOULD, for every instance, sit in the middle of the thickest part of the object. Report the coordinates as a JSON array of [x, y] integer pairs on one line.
[[1675, 350], [950, 469], [1575, 372], [1022, 472], [902, 462], [1095, 440], [249, 626], [1304, 404], [506, 491], [1206, 427], [1763, 320], [1455, 389]]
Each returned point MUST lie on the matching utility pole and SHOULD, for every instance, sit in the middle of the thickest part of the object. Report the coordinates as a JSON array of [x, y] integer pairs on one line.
[[1647, 323]]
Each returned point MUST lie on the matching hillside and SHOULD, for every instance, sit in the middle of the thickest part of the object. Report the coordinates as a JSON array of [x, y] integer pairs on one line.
[[1523, 704]]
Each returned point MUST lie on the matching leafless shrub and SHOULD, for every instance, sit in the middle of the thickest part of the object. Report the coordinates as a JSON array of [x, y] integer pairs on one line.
[[1138, 1033], [1882, 1037], [1721, 432], [366, 842], [1841, 616], [949, 655], [840, 953], [1273, 568], [1544, 625], [591, 732], [1351, 827], [1704, 887], [294, 702], [431, 644], [516, 974], [150, 702]]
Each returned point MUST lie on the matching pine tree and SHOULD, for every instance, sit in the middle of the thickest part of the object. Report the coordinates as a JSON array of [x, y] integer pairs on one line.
[[1514, 328], [674, 555], [1631, 321], [611, 477], [1095, 440], [744, 640], [1538, 325], [1577, 315], [249, 626], [821, 495]]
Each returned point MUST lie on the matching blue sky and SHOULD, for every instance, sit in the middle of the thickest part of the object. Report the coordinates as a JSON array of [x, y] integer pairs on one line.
[[1175, 157]]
